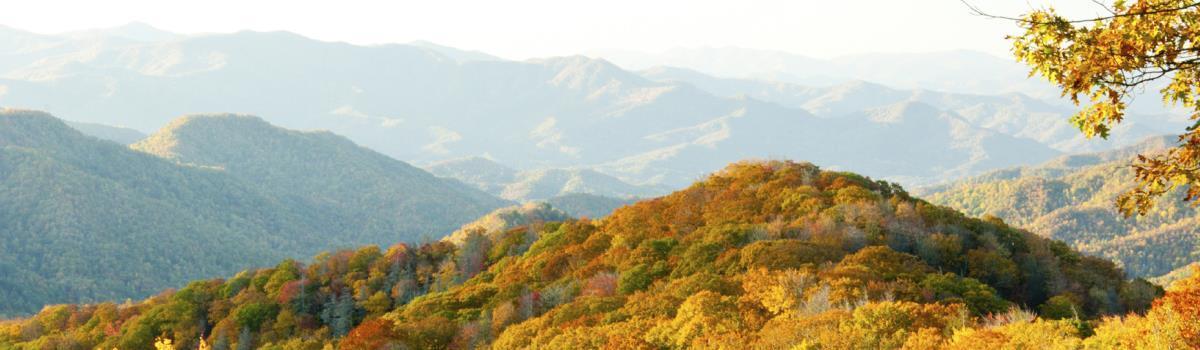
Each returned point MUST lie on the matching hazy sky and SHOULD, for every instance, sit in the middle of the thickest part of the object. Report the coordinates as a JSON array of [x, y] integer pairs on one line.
[[533, 28]]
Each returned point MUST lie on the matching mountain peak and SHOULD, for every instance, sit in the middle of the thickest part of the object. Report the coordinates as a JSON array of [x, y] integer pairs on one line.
[[581, 71], [25, 114], [201, 135], [30, 128], [216, 119], [333, 173]]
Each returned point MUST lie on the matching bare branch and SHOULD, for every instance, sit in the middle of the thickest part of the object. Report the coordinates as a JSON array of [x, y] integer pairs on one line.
[[1105, 7], [976, 11]]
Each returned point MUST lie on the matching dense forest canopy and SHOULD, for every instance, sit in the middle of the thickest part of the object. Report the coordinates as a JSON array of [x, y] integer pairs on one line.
[[373, 198], [761, 254], [1070, 199], [86, 220]]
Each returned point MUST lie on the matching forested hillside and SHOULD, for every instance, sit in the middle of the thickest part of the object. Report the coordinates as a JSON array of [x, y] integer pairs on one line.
[[759, 255], [376, 199], [85, 219], [1073, 199]]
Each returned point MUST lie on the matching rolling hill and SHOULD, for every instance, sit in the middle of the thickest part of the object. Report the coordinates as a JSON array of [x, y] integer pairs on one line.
[[89, 220], [377, 199], [85, 219], [1072, 198]]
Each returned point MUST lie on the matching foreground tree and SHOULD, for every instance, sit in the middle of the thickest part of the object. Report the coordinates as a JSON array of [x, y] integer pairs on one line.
[[1101, 62]]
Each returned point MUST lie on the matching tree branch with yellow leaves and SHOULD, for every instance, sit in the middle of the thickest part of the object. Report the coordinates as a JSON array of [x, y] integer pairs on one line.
[[1099, 62]]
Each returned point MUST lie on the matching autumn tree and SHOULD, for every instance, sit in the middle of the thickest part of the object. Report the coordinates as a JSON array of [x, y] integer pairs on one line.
[[1101, 63]]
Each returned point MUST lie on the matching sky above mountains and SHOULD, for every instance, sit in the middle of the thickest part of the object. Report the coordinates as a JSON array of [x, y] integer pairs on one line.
[[523, 29]]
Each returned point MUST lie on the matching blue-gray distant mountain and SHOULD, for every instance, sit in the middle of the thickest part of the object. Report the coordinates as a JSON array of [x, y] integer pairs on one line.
[[587, 205], [1013, 114], [425, 103], [124, 136], [540, 184], [961, 71]]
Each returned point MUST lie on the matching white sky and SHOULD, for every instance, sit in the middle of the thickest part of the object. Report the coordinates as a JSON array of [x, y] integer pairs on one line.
[[519, 29]]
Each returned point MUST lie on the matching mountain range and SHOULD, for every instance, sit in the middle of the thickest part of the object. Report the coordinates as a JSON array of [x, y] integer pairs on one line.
[[426, 103], [1014, 114], [961, 71], [541, 184]]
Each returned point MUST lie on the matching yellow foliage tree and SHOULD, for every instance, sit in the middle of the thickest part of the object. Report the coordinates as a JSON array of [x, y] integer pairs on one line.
[[1106, 60], [705, 316], [163, 344]]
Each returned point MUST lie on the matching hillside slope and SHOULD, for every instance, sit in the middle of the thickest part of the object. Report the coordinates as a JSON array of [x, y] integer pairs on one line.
[[375, 199], [1073, 199], [84, 219], [88, 220], [760, 255]]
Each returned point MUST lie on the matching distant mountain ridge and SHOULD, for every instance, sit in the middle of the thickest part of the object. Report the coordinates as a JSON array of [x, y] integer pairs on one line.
[[124, 136], [955, 70], [1014, 114], [425, 103], [583, 205], [541, 184]]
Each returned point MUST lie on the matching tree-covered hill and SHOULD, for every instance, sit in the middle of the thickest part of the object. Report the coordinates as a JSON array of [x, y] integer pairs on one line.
[[88, 220], [83, 219], [760, 255], [374, 198], [1072, 199]]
